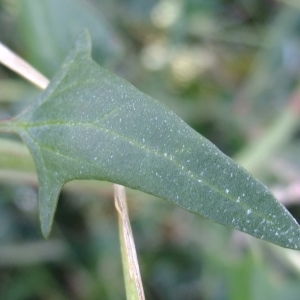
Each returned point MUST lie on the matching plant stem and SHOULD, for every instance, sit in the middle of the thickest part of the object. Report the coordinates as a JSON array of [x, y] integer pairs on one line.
[[133, 282], [7, 127], [20, 66], [256, 155]]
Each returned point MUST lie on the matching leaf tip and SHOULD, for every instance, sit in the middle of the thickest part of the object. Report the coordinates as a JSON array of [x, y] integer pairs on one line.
[[84, 41], [46, 230], [48, 198]]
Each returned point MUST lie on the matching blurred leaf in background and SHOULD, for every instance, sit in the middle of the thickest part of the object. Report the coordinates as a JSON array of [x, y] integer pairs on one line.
[[48, 30], [230, 69]]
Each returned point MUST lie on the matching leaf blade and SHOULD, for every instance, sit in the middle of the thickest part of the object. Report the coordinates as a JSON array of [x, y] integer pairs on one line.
[[90, 124]]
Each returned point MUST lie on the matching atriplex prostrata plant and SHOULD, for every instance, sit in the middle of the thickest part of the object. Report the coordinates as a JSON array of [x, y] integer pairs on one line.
[[90, 124]]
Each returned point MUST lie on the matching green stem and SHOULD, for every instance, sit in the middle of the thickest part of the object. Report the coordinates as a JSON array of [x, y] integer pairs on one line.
[[255, 157], [8, 126]]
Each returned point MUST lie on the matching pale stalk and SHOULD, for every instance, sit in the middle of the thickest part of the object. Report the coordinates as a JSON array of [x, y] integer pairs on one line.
[[133, 281], [20, 66]]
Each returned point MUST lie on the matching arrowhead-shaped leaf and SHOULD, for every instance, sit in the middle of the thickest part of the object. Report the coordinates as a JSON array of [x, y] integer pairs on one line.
[[91, 124]]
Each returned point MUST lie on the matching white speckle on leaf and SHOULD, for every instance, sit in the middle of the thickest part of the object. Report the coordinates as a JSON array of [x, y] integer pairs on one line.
[[249, 211], [227, 191]]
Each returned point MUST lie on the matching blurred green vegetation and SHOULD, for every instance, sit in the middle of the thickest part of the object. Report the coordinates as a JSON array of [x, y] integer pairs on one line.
[[231, 70]]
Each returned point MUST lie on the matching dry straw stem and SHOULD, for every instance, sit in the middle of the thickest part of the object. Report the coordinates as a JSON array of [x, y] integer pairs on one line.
[[133, 281], [130, 262], [20, 66]]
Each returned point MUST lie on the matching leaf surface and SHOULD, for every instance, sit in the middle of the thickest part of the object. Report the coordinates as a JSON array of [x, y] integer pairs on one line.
[[91, 124]]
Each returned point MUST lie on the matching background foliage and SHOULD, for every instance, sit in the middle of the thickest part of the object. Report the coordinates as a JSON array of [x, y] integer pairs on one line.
[[230, 69]]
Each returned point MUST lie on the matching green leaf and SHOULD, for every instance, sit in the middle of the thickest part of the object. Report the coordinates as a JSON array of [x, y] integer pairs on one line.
[[90, 124]]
